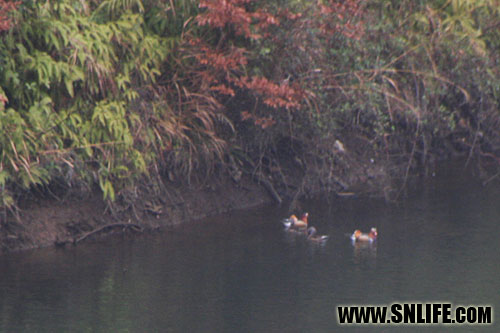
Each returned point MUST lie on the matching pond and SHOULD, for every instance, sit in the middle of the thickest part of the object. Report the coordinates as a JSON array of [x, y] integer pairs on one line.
[[240, 272]]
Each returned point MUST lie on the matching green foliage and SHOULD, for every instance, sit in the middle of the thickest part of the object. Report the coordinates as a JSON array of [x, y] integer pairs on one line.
[[97, 92], [409, 78], [108, 92], [68, 71], [424, 73]]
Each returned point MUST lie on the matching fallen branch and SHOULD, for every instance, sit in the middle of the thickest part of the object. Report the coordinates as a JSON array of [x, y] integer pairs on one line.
[[269, 187], [259, 178], [108, 226]]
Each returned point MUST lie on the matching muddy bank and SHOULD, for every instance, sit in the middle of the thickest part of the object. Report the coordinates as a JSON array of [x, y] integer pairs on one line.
[[72, 218], [46, 221]]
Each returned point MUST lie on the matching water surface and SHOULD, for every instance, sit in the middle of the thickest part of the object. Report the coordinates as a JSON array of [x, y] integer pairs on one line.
[[240, 272]]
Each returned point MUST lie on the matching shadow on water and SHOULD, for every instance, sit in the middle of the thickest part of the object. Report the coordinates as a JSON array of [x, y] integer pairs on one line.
[[241, 272]]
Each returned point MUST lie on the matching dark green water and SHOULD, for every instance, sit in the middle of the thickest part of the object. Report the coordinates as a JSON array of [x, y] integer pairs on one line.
[[240, 272]]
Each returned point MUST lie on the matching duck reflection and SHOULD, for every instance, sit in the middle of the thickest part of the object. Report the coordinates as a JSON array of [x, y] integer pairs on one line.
[[365, 252], [291, 236]]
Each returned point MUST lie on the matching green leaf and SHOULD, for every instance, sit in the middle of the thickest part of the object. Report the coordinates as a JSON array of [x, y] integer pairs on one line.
[[69, 86]]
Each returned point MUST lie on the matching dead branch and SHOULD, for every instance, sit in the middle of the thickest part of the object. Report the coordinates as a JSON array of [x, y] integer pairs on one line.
[[133, 226]]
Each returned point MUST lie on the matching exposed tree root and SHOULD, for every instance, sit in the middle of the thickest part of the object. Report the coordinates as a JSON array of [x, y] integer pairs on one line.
[[108, 226], [269, 187], [75, 241]]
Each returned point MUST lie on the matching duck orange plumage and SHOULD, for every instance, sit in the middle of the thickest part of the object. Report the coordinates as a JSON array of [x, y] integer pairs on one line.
[[294, 223], [358, 236], [302, 223], [289, 222]]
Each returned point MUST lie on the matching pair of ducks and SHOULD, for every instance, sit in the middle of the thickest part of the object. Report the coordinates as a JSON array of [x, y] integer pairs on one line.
[[293, 224]]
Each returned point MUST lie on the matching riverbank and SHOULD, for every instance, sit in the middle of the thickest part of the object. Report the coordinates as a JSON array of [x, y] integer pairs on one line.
[[71, 217], [136, 115], [46, 221]]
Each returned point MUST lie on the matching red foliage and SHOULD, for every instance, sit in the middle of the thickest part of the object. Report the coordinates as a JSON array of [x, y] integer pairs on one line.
[[338, 17], [222, 67], [5, 8], [261, 121], [232, 13], [223, 89], [3, 100], [275, 95], [231, 59]]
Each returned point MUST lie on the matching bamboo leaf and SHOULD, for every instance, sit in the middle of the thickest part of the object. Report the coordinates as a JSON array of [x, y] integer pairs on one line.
[[69, 86]]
